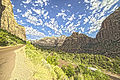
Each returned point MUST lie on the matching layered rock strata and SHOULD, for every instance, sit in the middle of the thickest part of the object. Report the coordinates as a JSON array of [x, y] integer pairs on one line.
[[7, 21]]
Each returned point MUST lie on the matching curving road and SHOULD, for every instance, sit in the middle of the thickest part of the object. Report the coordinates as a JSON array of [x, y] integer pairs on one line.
[[7, 61]]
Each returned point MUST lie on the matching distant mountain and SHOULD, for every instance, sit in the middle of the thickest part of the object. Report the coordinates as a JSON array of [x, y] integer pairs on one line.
[[107, 41], [49, 42]]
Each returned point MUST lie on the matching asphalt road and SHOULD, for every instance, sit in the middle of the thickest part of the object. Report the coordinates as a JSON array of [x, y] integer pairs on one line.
[[7, 61]]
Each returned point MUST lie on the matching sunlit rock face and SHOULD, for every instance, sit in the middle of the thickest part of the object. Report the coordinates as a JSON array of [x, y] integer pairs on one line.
[[107, 41], [50, 42], [7, 21]]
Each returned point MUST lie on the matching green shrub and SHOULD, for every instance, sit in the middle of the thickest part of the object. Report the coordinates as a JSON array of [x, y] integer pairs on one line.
[[52, 60], [7, 39], [69, 70]]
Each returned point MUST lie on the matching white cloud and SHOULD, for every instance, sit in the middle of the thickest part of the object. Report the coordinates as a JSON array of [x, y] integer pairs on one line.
[[72, 17], [41, 22], [27, 1], [80, 16], [18, 10], [53, 24], [32, 18], [82, 29], [35, 4], [86, 20], [86, 1], [99, 10], [34, 32], [68, 22], [79, 2], [41, 12], [115, 7], [38, 11], [61, 14], [69, 5], [20, 22], [27, 13], [70, 28], [42, 2], [78, 24]]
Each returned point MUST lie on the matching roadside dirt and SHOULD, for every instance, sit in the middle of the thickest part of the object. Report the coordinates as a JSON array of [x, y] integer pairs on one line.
[[7, 61], [23, 69], [113, 76]]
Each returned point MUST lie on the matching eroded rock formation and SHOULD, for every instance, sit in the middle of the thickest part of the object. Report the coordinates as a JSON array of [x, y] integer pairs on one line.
[[107, 41], [50, 42], [7, 21]]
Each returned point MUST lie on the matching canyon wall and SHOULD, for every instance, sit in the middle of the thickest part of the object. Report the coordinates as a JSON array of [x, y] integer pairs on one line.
[[7, 21], [107, 40]]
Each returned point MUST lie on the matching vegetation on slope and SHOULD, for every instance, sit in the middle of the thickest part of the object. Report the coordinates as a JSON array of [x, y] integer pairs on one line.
[[47, 66], [7, 39], [43, 69], [97, 61]]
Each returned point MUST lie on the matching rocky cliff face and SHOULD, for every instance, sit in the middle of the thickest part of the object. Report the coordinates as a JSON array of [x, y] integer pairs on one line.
[[75, 43], [110, 29], [7, 21], [50, 42], [107, 41]]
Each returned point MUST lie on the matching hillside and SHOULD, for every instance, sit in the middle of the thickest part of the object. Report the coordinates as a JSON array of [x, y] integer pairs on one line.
[[8, 39], [7, 21], [64, 66]]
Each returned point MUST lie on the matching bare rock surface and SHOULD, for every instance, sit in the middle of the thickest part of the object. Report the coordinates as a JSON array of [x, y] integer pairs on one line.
[[7, 21]]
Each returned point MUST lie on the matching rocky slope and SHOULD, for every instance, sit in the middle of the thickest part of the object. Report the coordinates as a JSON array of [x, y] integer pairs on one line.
[[75, 43], [7, 21], [50, 42], [107, 41]]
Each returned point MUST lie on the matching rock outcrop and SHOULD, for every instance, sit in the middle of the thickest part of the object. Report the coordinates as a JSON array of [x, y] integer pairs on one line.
[[107, 40], [75, 43], [110, 29], [49, 42], [7, 21]]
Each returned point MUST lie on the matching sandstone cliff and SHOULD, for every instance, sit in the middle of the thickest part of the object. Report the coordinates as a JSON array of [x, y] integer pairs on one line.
[[50, 42], [75, 43], [110, 29], [7, 21], [107, 40]]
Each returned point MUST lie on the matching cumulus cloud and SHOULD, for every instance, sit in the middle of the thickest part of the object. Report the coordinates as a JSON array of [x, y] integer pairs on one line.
[[53, 24], [82, 29], [27, 1], [86, 20], [38, 11], [72, 17], [34, 32], [42, 2], [68, 22], [18, 10], [69, 5], [27, 13], [99, 10], [62, 14], [78, 24], [70, 28]]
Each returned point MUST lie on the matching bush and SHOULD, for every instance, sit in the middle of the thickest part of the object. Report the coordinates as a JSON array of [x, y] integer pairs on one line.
[[52, 59], [7, 39], [69, 70]]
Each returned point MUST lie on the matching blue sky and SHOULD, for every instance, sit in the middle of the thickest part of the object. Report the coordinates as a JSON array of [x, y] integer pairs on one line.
[[43, 18]]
